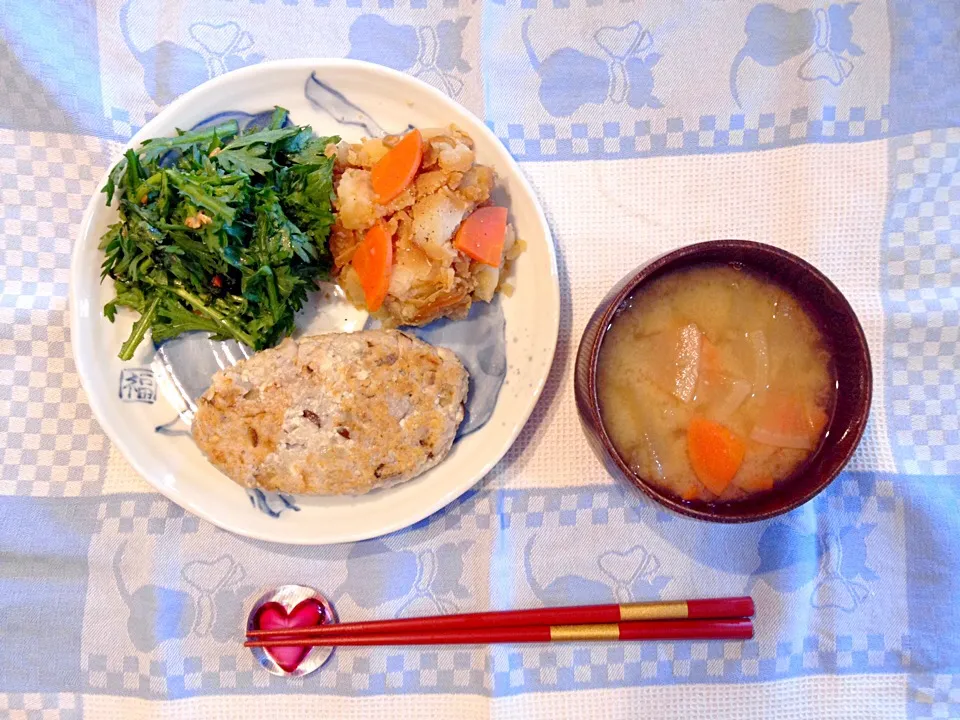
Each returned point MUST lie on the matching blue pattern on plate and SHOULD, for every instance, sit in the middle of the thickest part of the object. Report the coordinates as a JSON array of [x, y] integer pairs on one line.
[[338, 106], [245, 120], [480, 343], [261, 500], [173, 428], [189, 361]]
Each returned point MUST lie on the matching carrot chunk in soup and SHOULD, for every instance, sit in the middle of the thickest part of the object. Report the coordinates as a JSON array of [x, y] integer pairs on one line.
[[715, 453]]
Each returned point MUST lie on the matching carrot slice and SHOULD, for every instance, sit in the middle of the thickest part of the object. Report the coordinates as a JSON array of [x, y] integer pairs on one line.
[[397, 169], [788, 420], [715, 453], [373, 261], [482, 234]]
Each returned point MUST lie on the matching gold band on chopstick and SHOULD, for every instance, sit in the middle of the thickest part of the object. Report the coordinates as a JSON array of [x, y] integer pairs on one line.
[[673, 610], [599, 631]]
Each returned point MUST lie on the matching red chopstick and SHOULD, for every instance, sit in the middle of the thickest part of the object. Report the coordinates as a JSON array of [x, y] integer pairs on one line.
[[718, 608], [741, 629]]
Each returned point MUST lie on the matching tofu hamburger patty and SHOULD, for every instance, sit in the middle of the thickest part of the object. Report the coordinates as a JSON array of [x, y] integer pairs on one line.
[[336, 414]]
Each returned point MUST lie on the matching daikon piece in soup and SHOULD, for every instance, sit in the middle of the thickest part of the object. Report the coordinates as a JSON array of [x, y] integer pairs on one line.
[[714, 383]]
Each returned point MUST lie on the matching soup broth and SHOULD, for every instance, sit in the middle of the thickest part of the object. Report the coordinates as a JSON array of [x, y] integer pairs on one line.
[[714, 383]]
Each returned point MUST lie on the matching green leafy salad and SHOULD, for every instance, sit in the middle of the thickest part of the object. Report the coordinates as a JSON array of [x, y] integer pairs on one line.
[[220, 230]]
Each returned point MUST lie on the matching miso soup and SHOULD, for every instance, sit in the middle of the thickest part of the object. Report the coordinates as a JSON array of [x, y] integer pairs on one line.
[[714, 383]]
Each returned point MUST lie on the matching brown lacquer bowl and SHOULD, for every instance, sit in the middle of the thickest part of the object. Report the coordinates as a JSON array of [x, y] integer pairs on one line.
[[840, 328]]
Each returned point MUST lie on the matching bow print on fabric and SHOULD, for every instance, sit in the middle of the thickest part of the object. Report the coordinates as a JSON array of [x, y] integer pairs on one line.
[[774, 36], [625, 576], [224, 45], [169, 69], [157, 613], [433, 54], [427, 582], [836, 564], [219, 595], [844, 567], [569, 79]]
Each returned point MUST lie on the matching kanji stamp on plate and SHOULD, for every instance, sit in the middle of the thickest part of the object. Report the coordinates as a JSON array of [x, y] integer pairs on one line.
[[137, 385]]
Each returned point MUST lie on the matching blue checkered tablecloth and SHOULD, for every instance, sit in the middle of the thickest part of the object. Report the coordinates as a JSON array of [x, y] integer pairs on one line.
[[830, 129]]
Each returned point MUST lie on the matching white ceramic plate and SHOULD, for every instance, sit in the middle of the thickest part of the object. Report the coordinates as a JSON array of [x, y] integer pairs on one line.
[[351, 95]]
